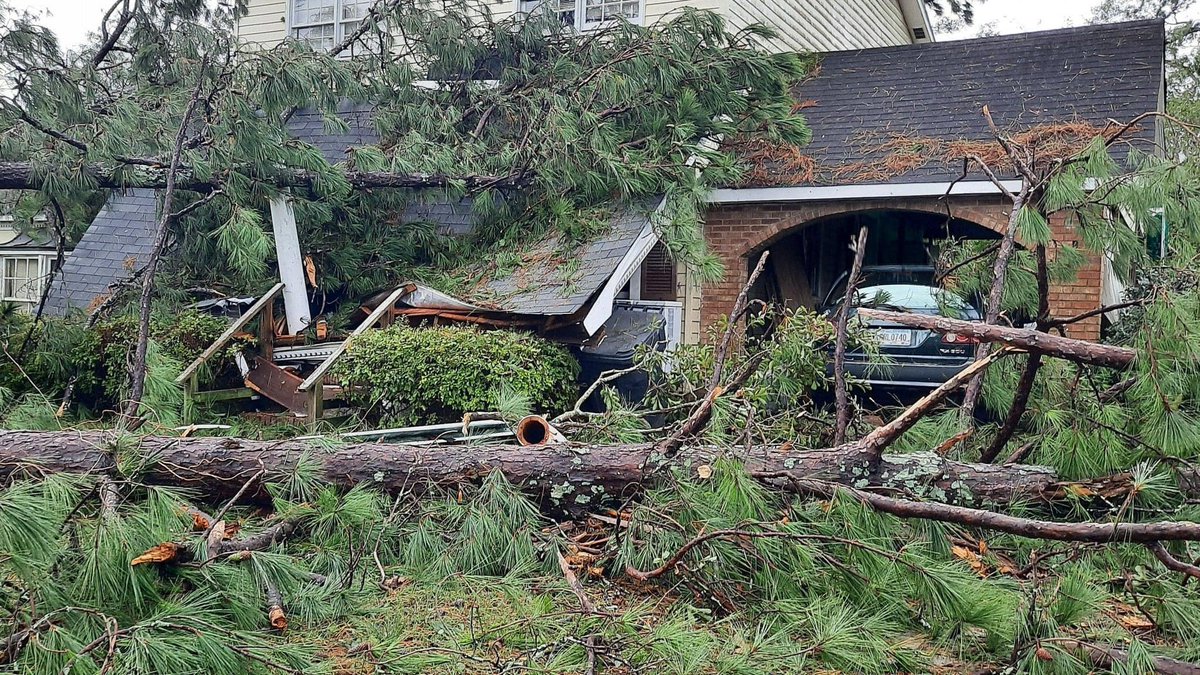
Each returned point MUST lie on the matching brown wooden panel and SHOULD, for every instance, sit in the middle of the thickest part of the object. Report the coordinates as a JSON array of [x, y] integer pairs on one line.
[[277, 384]]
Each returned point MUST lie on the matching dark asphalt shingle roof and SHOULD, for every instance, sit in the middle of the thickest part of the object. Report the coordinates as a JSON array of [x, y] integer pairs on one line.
[[29, 240], [938, 90], [549, 285], [308, 125], [117, 244]]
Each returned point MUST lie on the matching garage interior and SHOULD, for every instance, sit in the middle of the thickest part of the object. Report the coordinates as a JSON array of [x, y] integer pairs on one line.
[[805, 263]]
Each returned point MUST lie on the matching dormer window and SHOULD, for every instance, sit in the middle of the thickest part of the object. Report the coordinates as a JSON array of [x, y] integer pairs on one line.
[[325, 23], [590, 14]]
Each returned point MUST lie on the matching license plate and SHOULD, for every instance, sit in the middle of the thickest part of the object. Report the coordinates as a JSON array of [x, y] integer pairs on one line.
[[894, 337]]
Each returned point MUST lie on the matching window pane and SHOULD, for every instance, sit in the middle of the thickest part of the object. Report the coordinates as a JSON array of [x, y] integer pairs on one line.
[[318, 37], [21, 279], [305, 12], [355, 9], [606, 10], [565, 8]]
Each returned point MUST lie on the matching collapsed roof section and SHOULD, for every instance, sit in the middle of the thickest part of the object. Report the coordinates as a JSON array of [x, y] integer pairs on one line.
[[554, 286]]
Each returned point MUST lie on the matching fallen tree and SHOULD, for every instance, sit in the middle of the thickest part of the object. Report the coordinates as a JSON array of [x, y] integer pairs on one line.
[[1032, 341], [568, 474]]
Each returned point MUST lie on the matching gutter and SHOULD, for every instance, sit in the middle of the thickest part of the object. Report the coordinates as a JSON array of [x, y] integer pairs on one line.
[[848, 192]]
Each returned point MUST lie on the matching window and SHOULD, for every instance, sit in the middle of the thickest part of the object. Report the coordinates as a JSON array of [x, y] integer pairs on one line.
[[588, 14], [325, 23], [22, 279]]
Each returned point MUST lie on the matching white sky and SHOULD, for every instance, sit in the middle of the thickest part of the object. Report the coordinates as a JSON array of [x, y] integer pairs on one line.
[[1018, 16], [72, 20]]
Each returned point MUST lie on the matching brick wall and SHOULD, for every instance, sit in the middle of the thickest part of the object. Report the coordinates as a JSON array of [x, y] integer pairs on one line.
[[737, 232]]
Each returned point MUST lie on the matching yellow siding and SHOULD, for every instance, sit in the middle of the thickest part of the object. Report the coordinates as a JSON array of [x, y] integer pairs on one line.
[[265, 23], [803, 25], [823, 26]]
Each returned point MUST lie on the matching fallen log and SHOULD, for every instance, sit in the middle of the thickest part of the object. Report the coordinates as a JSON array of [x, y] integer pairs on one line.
[[146, 173], [1032, 341], [562, 475]]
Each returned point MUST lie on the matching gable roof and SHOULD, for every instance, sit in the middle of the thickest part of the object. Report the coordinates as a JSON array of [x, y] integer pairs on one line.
[[308, 125], [115, 246], [1090, 74]]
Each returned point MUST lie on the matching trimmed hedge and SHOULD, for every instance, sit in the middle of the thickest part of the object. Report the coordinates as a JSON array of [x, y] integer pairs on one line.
[[408, 375]]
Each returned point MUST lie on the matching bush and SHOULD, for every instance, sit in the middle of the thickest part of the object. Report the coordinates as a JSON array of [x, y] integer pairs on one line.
[[411, 375]]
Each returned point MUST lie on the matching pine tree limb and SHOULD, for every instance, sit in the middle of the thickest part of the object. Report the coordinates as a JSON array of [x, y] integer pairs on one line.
[[1098, 533], [839, 351], [1171, 562], [1079, 351], [137, 368]]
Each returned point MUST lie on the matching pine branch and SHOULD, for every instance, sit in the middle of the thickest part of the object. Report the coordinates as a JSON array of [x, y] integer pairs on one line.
[[839, 353], [1079, 351]]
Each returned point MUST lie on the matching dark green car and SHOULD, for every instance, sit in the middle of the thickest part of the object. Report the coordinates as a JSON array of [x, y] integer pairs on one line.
[[908, 357]]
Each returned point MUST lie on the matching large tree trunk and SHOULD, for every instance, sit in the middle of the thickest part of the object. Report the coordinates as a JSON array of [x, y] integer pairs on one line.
[[153, 173], [1032, 341], [563, 475]]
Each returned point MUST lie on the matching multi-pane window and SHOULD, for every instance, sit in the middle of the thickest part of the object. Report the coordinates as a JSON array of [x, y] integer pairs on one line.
[[325, 23], [587, 14], [22, 279]]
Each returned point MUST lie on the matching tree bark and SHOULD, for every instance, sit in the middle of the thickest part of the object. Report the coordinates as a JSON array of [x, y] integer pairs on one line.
[[839, 349], [151, 174], [1035, 342], [558, 475]]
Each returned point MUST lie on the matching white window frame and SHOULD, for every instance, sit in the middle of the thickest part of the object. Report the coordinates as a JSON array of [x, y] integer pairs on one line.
[[43, 273], [581, 23], [338, 25]]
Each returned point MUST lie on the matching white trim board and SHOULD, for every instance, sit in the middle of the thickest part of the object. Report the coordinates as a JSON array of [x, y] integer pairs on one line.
[[844, 192], [602, 306]]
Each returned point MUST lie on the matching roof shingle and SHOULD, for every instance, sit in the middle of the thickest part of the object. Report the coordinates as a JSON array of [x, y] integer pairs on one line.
[[938, 90]]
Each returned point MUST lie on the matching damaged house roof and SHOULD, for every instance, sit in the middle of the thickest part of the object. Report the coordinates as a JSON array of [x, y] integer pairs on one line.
[[860, 102], [549, 281], [114, 248]]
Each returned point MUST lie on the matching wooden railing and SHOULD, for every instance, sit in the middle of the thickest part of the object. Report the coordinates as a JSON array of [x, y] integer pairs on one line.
[[188, 378], [314, 385]]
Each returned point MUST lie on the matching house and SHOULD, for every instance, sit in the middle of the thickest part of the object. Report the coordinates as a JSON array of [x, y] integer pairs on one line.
[[27, 257], [1090, 76], [802, 25]]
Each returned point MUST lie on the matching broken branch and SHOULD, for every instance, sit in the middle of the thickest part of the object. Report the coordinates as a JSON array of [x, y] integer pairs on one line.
[[1080, 351]]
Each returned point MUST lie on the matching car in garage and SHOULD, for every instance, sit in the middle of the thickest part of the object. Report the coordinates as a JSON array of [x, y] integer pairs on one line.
[[906, 357]]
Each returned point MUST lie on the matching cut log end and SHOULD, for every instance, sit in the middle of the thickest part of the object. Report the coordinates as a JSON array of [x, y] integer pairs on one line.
[[158, 555]]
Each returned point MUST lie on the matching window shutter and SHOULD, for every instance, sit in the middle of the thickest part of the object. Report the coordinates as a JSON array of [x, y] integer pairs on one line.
[[658, 275]]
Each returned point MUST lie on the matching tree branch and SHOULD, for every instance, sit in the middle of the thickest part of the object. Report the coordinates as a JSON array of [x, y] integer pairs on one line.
[[1080, 351]]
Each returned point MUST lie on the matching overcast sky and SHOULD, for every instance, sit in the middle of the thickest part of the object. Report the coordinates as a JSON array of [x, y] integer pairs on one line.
[[73, 19]]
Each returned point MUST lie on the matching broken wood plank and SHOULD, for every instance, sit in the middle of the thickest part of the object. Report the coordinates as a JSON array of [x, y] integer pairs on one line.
[[233, 329]]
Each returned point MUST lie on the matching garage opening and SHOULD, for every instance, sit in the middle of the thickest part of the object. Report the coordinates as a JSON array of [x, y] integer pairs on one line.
[[808, 262]]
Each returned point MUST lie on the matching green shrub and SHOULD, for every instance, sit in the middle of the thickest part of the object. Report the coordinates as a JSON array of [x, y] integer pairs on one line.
[[408, 375]]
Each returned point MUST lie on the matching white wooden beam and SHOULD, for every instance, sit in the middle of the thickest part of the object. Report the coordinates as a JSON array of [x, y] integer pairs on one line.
[[291, 266]]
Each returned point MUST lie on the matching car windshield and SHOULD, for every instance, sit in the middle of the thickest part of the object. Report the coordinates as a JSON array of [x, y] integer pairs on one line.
[[905, 289]]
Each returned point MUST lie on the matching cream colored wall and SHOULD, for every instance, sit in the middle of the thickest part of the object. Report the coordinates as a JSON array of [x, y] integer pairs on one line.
[[265, 23], [803, 25], [824, 26]]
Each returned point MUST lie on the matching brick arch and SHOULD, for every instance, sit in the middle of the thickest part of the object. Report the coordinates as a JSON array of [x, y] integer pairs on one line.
[[735, 231], [989, 218]]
